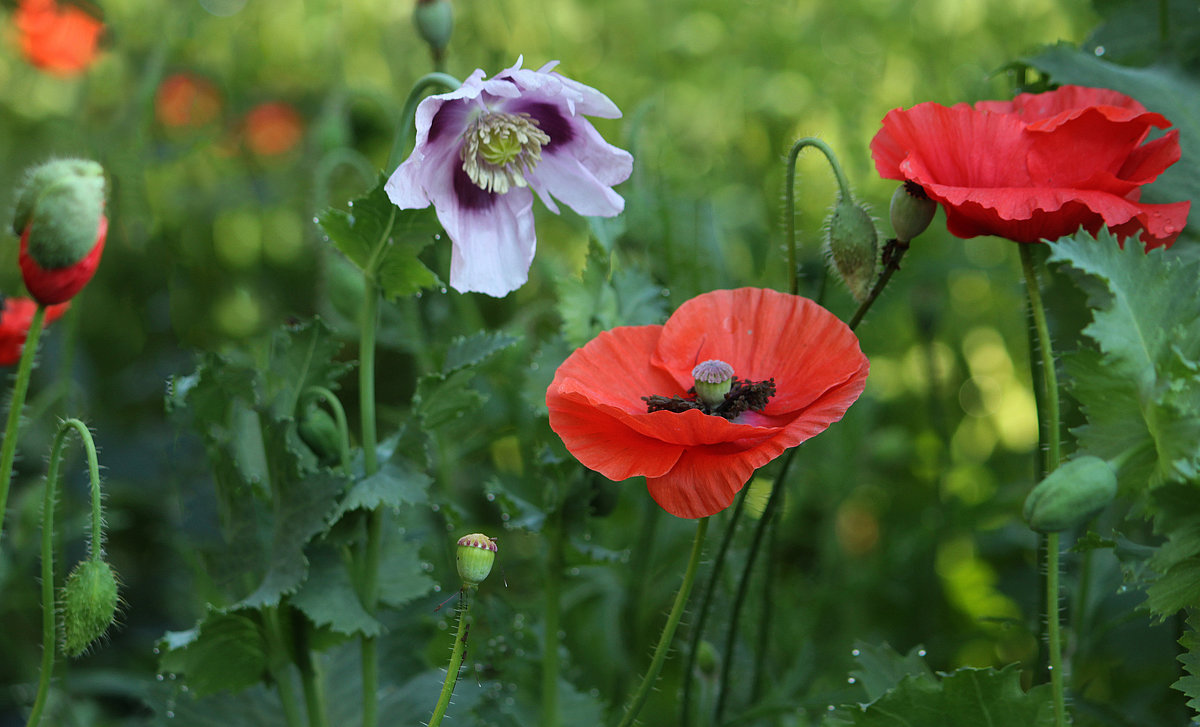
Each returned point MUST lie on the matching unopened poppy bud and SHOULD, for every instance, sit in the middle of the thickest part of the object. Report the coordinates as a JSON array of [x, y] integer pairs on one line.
[[476, 554], [89, 605], [713, 379], [1071, 494], [706, 659], [911, 211], [319, 431], [60, 206], [853, 246], [435, 21]]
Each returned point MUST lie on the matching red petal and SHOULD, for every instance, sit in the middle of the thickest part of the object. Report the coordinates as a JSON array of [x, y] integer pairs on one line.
[[60, 284]]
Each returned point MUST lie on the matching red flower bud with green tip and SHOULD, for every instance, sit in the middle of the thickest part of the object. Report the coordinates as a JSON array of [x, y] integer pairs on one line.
[[16, 315], [475, 556], [60, 218]]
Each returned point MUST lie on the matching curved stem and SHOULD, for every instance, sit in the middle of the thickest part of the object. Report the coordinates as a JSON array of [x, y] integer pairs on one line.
[[744, 581], [408, 113], [790, 198], [8, 449], [1050, 420], [710, 588], [456, 659], [668, 633], [49, 612]]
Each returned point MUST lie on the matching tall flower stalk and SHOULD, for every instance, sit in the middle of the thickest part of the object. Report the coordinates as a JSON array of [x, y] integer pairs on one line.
[[8, 449]]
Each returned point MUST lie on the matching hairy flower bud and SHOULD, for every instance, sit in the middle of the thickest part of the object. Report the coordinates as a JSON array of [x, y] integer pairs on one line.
[[319, 431], [435, 21], [1070, 494], [911, 211], [853, 246], [89, 605], [476, 554]]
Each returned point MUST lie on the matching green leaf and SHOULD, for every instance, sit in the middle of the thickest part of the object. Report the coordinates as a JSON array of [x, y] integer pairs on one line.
[[1164, 90], [384, 240], [965, 697], [398, 482], [441, 400], [466, 351], [882, 667], [1190, 641], [224, 651], [401, 577], [605, 296], [301, 356], [328, 597]]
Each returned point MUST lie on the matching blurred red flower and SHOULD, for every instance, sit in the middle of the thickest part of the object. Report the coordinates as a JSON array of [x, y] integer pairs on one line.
[[694, 462], [60, 39], [184, 99], [15, 316], [273, 128], [1038, 167]]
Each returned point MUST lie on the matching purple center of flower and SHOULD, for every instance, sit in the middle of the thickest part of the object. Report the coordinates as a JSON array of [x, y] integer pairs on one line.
[[716, 391], [500, 148]]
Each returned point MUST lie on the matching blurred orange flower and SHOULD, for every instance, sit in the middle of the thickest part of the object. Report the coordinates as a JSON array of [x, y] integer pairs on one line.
[[60, 39], [184, 99], [273, 128], [16, 314]]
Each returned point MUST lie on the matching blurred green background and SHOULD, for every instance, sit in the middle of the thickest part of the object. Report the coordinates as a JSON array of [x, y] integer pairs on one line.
[[903, 525]]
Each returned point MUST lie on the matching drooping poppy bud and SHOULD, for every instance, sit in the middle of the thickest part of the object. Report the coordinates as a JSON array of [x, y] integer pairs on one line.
[[911, 211], [1070, 494], [434, 20], [475, 556], [89, 605], [853, 246], [60, 218], [319, 431]]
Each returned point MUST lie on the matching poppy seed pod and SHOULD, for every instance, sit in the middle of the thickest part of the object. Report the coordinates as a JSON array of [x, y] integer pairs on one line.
[[89, 605], [60, 205], [911, 211], [434, 20], [475, 556], [853, 246], [1070, 494]]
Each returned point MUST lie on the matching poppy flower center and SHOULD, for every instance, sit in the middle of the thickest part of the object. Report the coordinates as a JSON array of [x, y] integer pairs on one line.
[[716, 391], [500, 148]]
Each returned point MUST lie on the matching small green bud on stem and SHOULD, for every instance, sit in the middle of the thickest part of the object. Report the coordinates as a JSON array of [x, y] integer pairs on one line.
[[434, 20], [475, 556], [319, 431], [911, 211], [853, 246], [89, 605], [1070, 494]]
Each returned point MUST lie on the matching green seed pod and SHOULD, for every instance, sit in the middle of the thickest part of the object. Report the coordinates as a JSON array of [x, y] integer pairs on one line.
[[319, 431], [911, 211], [435, 22], [713, 379], [89, 605], [61, 202], [476, 554], [853, 246], [1071, 494]]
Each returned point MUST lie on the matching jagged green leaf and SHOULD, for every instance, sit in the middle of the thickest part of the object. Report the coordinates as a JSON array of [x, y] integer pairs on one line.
[[1190, 641], [964, 697], [224, 651], [328, 597], [473, 350], [881, 667], [401, 577], [398, 482], [301, 356], [374, 233], [441, 400], [605, 296]]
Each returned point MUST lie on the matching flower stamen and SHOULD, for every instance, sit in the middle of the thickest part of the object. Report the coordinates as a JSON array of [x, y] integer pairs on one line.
[[500, 148]]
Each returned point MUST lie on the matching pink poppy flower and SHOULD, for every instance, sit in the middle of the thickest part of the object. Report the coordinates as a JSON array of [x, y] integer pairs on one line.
[[480, 151]]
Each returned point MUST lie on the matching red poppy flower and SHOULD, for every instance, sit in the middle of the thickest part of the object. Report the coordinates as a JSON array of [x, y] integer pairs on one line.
[[16, 314], [1038, 167], [57, 285], [273, 128], [61, 39], [184, 99], [695, 462]]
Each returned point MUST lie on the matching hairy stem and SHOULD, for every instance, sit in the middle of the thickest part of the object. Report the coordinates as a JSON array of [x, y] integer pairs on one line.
[[668, 633], [8, 450], [456, 660], [790, 198]]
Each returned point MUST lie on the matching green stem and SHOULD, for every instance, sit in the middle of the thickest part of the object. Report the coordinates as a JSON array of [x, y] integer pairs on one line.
[[744, 581], [278, 660], [408, 113], [790, 198], [1050, 419], [668, 633], [554, 568], [456, 659], [710, 588], [8, 449], [49, 612], [893, 253]]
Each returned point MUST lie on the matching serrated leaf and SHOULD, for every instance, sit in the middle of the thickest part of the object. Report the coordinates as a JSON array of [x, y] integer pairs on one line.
[[401, 578], [398, 482], [224, 651], [603, 297], [1161, 89], [376, 235], [301, 356], [1190, 684], [328, 597], [882, 667], [964, 697], [473, 350], [441, 400]]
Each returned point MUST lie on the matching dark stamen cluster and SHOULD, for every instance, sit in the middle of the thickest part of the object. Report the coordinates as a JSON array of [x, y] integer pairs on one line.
[[743, 396]]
